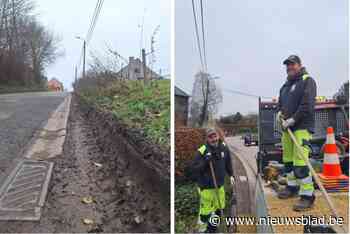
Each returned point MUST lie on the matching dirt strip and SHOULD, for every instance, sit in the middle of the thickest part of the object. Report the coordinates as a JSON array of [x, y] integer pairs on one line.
[[98, 163]]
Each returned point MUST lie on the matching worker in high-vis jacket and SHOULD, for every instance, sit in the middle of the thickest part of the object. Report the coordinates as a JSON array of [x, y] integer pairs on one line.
[[211, 201], [296, 107]]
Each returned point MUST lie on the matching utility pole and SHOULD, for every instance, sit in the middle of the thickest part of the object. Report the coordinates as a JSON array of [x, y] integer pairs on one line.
[[84, 53], [76, 74], [205, 103], [84, 58], [205, 112], [144, 66]]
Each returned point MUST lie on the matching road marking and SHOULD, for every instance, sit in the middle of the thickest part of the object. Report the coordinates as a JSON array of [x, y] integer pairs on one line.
[[23, 201]]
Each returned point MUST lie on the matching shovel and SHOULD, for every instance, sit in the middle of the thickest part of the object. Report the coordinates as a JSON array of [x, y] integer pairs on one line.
[[314, 174]]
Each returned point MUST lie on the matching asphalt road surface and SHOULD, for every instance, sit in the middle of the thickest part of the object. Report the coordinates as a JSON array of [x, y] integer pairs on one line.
[[20, 116], [247, 153], [245, 171]]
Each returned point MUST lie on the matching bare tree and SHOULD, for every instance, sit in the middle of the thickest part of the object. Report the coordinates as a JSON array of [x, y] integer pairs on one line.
[[44, 49], [108, 63], [26, 47], [205, 100]]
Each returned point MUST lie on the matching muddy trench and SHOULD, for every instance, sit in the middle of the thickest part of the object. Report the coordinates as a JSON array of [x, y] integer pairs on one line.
[[124, 175]]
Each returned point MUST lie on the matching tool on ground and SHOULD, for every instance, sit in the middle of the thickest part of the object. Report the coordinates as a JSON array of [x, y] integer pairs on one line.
[[216, 191], [314, 174]]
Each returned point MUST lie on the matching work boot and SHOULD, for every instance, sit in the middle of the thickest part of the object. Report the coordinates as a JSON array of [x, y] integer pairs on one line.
[[288, 192], [304, 203]]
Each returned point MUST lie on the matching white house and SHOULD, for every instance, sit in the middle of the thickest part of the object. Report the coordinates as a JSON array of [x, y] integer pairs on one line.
[[134, 71]]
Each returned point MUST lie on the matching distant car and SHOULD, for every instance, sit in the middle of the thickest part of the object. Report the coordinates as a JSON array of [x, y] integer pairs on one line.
[[250, 139]]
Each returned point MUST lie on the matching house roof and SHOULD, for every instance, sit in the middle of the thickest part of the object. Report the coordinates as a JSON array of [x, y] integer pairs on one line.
[[54, 80], [180, 92]]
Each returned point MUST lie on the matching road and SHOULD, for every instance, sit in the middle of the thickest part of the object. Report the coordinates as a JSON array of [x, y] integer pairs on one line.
[[247, 153], [20, 116], [245, 169]]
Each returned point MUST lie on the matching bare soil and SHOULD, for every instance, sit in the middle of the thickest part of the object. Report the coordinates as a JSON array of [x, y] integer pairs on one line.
[[127, 198]]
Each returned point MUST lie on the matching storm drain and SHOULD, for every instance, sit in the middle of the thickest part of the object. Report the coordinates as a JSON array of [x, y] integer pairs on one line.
[[24, 192]]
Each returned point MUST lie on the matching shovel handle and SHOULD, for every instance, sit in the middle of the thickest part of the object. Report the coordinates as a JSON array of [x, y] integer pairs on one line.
[[314, 174], [216, 188]]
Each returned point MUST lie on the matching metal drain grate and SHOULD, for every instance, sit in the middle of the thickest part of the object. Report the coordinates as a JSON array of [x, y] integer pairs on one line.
[[24, 192]]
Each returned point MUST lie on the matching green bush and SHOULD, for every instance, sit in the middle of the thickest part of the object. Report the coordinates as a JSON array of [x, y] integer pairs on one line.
[[186, 207]]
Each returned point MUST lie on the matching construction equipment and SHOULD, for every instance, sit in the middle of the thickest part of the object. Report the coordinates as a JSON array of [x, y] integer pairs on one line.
[[327, 113], [313, 173], [250, 139]]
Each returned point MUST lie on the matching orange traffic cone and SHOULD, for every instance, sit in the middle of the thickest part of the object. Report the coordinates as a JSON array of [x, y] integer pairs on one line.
[[332, 176], [331, 165]]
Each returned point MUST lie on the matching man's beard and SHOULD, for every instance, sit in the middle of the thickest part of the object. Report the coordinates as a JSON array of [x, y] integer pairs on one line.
[[214, 144]]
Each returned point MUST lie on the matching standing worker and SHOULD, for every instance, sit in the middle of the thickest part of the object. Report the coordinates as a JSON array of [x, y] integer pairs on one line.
[[212, 200], [296, 106]]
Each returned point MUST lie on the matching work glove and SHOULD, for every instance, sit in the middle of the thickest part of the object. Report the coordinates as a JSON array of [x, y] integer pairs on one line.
[[279, 119], [232, 180], [279, 116], [208, 158], [288, 123]]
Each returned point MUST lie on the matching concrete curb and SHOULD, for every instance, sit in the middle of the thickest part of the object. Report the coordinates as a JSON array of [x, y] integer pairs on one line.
[[51, 137]]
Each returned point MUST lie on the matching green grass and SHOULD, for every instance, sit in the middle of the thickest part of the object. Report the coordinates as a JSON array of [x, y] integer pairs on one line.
[[146, 107], [186, 207]]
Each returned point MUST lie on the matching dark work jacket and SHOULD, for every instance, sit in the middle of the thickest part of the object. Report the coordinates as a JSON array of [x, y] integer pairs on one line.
[[200, 169], [297, 100]]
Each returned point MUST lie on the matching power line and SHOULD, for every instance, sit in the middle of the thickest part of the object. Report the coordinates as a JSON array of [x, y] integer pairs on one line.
[[245, 94], [197, 34], [204, 50], [89, 36], [93, 17], [92, 26]]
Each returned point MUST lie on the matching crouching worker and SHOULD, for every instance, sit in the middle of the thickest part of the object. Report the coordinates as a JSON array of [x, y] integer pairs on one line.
[[214, 152]]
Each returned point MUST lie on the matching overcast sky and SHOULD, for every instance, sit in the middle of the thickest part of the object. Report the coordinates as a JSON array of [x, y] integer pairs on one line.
[[248, 40], [117, 26]]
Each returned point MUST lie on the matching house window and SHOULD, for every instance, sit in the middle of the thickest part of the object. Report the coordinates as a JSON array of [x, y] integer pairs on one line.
[[137, 70]]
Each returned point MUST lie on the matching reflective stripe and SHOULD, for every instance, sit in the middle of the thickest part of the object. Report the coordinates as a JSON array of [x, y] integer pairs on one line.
[[202, 149], [306, 192], [292, 183], [306, 180], [305, 76], [330, 139], [291, 180], [331, 159], [306, 186]]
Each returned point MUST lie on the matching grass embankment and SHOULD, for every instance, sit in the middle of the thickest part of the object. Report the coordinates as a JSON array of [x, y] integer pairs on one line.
[[145, 107], [187, 206]]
